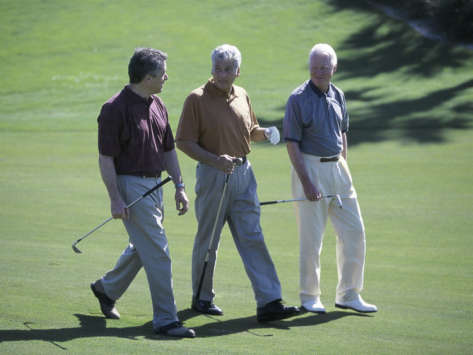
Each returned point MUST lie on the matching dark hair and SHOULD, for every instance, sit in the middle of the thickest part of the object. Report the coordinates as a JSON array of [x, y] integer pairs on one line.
[[145, 61]]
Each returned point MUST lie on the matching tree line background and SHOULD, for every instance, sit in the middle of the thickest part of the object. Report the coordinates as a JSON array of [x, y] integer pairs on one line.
[[453, 18]]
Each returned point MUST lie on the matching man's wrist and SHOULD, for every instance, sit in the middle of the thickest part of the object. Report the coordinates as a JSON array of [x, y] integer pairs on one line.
[[180, 185]]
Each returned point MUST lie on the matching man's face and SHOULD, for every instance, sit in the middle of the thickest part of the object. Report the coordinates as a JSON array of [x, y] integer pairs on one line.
[[156, 82], [321, 70], [224, 73]]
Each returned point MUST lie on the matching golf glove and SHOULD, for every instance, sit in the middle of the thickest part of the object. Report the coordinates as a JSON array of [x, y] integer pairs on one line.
[[272, 134]]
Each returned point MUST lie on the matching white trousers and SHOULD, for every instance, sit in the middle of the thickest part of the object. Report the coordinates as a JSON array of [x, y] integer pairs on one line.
[[330, 178]]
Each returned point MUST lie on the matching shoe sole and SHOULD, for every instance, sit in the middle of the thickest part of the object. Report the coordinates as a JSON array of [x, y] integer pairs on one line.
[[270, 318], [318, 312], [354, 309], [106, 314], [167, 334]]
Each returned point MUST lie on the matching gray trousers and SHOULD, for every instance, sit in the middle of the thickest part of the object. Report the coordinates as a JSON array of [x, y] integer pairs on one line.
[[148, 247], [240, 208]]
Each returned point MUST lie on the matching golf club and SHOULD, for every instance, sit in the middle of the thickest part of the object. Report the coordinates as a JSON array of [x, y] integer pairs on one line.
[[74, 245], [335, 196], [236, 162]]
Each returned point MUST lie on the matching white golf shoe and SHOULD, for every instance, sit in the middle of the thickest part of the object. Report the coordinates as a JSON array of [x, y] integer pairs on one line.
[[313, 306], [357, 305]]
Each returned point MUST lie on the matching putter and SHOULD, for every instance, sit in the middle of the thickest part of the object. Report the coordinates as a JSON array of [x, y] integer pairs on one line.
[[74, 245], [335, 196], [236, 162]]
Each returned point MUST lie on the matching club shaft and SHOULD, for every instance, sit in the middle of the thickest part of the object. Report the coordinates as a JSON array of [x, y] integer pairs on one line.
[[291, 200], [201, 281], [212, 236], [131, 204]]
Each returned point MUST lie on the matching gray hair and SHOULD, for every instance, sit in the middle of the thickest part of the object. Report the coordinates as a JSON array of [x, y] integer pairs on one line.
[[226, 52], [326, 49]]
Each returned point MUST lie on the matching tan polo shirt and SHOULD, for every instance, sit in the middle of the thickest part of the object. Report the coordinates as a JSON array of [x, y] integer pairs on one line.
[[219, 123]]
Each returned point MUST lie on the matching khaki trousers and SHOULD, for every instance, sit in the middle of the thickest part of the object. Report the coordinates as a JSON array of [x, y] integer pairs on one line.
[[330, 178], [241, 210], [148, 248]]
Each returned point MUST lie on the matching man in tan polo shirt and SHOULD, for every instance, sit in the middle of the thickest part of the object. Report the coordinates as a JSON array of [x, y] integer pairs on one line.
[[216, 126]]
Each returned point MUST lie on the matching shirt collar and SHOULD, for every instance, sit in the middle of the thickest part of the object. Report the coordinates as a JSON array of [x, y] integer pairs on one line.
[[319, 92], [137, 98], [214, 90]]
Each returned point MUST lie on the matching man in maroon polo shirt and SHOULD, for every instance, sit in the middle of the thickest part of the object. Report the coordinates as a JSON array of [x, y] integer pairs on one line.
[[135, 145]]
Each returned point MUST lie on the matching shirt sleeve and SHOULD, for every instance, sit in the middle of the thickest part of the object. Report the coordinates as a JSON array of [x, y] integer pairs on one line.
[[254, 121], [189, 125], [168, 140], [109, 122], [345, 119], [292, 124]]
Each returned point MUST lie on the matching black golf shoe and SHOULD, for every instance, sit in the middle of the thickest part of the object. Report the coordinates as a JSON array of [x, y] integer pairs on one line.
[[275, 310], [176, 329], [206, 307], [107, 305]]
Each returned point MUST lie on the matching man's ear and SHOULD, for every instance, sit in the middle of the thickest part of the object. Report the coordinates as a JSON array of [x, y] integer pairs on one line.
[[335, 68], [238, 72]]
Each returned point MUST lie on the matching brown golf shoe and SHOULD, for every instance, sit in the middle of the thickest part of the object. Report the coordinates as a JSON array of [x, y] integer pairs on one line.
[[107, 305]]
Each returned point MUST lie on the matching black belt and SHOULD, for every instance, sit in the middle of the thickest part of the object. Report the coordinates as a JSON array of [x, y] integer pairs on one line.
[[243, 160], [148, 175], [327, 160]]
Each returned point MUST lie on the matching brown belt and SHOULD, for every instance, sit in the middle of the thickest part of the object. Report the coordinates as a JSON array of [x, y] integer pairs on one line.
[[327, 160]]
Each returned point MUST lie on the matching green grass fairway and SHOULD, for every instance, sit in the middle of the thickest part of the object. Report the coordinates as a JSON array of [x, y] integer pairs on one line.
[[410, 153]]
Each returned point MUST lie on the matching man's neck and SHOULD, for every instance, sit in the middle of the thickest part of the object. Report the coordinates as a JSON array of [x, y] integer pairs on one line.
[[140, 91], [322, 88]]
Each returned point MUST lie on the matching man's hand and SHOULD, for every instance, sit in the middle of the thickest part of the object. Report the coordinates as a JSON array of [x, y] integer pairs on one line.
[[311, 191], [272, 135], [182, 202], [118, 209], [225, 163]]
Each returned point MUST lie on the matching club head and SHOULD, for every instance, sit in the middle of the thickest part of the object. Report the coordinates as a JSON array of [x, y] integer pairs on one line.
[[76, 249], [339, 201]]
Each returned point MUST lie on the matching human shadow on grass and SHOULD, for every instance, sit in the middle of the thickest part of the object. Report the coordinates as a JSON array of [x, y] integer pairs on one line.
[[250, 325], [373, 122], [96, 326], [387, 46]]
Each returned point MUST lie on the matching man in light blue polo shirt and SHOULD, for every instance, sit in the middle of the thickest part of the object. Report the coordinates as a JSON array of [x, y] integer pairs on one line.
[[314, 127]]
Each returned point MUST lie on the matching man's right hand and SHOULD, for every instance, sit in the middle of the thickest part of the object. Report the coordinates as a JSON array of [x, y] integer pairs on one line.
[[311, 192], [225, 163], [119, 210]]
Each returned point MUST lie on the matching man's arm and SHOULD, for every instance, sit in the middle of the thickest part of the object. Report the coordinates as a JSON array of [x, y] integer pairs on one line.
[[172, 167], [257, 135], [109, 177], [345, 146], [297, 161], [270, 133], [192, 149]]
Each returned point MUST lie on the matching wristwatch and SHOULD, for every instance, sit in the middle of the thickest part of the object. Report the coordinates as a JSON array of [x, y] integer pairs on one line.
[[180, 186]]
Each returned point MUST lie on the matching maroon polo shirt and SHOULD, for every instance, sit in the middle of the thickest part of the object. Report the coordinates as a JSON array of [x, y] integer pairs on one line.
[[135, 132]]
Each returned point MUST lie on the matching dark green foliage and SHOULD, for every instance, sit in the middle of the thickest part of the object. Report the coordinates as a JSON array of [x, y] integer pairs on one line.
[[453, 18]]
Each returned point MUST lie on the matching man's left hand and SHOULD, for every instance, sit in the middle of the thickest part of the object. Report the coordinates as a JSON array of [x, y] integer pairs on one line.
[[182, 202], [272, 135]]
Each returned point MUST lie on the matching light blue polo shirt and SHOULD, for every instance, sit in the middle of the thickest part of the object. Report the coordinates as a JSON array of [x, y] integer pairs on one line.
[[316, 120]]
